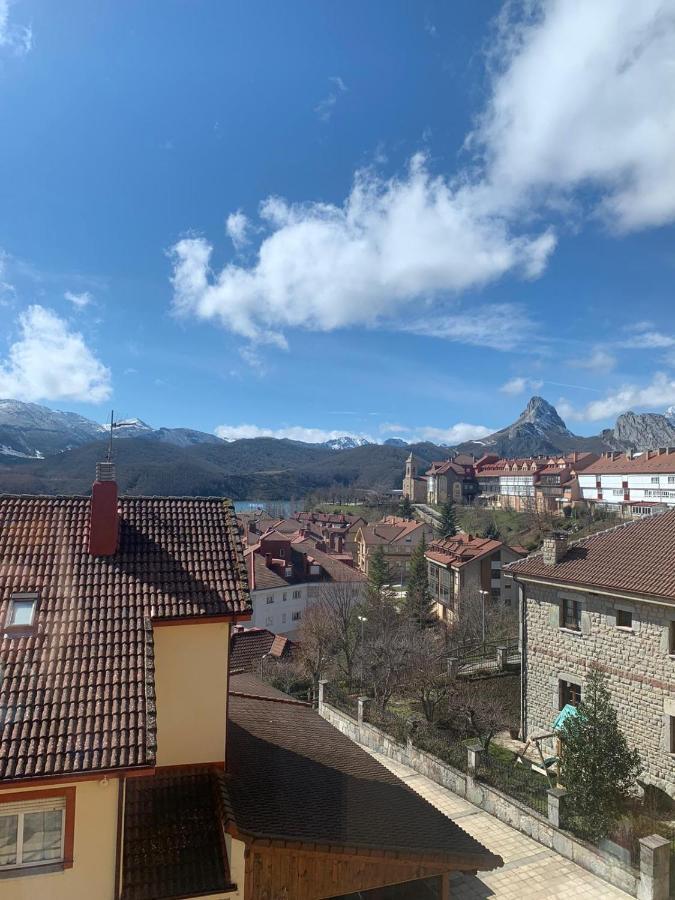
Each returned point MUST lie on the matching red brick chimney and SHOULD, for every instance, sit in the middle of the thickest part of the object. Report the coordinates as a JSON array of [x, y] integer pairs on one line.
[[103, 516]]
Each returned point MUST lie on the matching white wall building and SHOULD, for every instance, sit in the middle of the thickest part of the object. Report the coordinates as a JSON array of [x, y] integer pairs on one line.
[[631, 483]]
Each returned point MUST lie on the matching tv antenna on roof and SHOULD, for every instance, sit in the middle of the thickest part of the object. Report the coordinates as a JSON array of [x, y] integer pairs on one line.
[[113, 426]]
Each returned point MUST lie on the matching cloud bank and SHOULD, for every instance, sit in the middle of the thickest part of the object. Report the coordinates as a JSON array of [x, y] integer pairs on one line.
[[51, 362]]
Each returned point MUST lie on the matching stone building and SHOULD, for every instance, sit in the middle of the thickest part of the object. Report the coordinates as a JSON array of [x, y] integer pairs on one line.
[[397, 537], [414, 485], [452, 479], [608, 600]]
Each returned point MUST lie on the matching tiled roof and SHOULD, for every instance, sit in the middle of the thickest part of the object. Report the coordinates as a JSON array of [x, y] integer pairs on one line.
[[78, 689], [632, 558], [389, 531], [291, 774], [462, 549], [333, 568], [448, 465], [248, 646], [173, 844], [620, 464]]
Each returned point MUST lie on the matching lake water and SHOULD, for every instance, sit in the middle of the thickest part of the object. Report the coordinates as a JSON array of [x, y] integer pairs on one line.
[[281, 508]]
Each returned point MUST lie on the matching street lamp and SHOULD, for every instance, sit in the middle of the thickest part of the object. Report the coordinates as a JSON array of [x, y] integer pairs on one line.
[[262, 662], [483, 595], [362, 620]]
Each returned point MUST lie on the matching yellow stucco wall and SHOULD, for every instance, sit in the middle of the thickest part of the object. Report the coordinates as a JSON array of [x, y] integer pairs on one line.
[[93, 872], [191, 688], [235, 855]]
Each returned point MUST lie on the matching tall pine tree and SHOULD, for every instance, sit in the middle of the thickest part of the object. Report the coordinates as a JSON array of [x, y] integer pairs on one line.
[[447, 526], [597, 767], [405, 508], [418, 603]]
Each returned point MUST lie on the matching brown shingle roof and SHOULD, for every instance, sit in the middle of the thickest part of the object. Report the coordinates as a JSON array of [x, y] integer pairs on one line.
[[78, 690], [291, 774], [173, 845], [635, 558]]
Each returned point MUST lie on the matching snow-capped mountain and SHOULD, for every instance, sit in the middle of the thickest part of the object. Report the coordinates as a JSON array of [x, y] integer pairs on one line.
[[346, 442]]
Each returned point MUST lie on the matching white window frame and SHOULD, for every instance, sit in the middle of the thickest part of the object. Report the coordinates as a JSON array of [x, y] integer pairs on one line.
[[297, 595], [269, 621], [296, 616], [270, 599], [21, 597], [20, 810]]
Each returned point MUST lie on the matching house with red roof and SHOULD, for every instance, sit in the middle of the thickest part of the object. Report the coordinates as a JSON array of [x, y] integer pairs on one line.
[[631, 483]]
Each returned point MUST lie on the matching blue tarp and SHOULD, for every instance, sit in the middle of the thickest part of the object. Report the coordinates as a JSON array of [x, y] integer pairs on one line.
[[564, 714]]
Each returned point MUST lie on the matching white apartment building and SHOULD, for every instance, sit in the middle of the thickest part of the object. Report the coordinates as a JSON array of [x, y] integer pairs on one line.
[[632, 484]]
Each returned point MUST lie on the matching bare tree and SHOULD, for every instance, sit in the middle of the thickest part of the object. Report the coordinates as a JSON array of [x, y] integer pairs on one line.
[[486, 706], [339, 603], [385, 655], [426, 680], [315, 640]]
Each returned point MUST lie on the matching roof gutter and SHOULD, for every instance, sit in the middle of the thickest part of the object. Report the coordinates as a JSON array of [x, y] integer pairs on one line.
[[604, 591]]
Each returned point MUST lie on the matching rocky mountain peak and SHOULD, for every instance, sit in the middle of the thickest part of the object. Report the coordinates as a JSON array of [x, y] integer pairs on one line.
[[542, 415]]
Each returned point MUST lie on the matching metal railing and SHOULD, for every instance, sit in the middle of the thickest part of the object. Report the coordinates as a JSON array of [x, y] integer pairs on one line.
[[517, 781]]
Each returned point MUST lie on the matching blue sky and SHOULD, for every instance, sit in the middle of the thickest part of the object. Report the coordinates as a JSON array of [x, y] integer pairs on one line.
[[382, 218]]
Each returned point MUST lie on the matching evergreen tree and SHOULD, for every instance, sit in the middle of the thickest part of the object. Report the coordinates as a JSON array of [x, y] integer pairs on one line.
[[405, 509], [597, 768], [379, 574], [418, 603], [448, 524]]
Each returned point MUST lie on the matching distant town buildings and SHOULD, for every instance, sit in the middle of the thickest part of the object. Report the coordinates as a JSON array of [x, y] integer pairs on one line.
[[288, 566], [607, 601], [548, 484], [397, 537]]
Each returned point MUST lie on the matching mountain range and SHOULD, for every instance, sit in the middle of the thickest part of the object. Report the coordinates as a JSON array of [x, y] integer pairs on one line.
[[46, 451]]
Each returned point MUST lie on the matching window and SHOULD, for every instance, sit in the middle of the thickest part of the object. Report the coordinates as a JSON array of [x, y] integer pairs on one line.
[[282, 552], [37, 830], [289, 571], [284, 596], [570, 614], [671, 638], [283, 618], [296, 595], [654, 479], [270, 599], [569, 693], [672, 734], [624, 618], [671, 479], [269, 621], [296, 616], [21, 611]]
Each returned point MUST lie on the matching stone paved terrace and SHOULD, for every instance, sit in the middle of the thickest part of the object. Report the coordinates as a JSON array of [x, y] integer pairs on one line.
[[530, 870]]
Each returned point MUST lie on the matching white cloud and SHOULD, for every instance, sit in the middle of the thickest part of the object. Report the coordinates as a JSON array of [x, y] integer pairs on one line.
[[236, 226], [659, 393], [584, 94], [581, 112], [324, 109], [79, 300], [17, 39], [325, 266], [519, 385], [292, 432], [600, 360], [51, 362], [455, 434], [499, 326]]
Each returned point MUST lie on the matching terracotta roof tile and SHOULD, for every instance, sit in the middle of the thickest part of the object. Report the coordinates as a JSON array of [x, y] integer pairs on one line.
[[173, 845], [619, 463], [78, 690], [635, 558]]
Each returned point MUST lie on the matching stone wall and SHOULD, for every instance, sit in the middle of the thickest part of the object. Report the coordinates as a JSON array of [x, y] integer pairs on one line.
[[494, 802], [640, 669]]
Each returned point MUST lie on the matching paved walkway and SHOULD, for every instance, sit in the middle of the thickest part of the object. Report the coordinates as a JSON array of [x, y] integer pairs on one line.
[[530, 870]]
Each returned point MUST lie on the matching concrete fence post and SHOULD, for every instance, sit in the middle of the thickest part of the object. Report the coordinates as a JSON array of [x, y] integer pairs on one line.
[[453, 667], [556, 805], [473, 753], [502, 658], [360, 704], [654, 868], [322, 684]]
